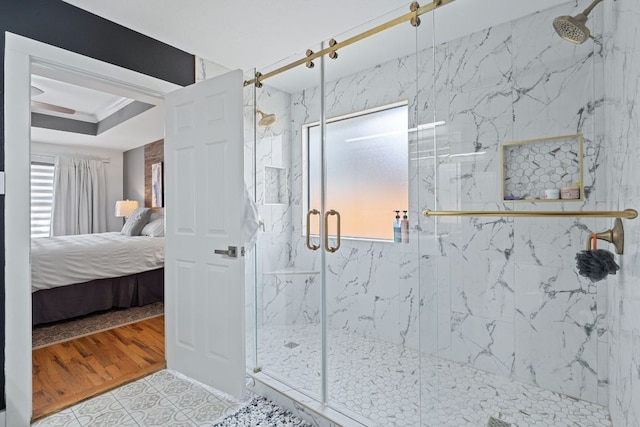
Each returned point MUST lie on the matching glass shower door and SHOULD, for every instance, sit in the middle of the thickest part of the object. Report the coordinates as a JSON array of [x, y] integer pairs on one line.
[[338, 284], [372, 270], [289, 265]]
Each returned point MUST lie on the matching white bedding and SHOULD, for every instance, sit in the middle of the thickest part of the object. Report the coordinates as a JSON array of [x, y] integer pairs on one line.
[[65, 260]]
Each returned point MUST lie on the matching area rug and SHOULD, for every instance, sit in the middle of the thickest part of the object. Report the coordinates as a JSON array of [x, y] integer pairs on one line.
[[53, 333], [260, 412]]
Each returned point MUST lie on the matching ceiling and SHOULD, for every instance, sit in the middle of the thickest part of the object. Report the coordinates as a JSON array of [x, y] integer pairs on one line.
[[247, 34], [89, 105], [90, 117]]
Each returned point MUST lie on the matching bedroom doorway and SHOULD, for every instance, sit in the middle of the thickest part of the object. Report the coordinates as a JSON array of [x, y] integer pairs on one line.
[[85, 340], [21, 54]]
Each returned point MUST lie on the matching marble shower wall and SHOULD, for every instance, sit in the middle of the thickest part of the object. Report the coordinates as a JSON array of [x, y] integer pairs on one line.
[[516, 305], [282, 290], [622, 59]]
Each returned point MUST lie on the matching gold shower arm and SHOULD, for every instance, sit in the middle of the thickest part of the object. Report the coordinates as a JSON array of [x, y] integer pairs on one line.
[[588, 10], [627, 213], [615, 236]]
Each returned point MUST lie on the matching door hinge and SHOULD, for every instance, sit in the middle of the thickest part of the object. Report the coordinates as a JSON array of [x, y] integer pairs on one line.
[[2, 184]]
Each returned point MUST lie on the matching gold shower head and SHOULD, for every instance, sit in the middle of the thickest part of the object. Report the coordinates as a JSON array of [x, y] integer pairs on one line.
[[573, 28], [266, 120]]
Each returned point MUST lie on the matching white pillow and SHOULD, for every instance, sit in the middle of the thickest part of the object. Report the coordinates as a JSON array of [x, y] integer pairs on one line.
[[136, 222], [154, 228]]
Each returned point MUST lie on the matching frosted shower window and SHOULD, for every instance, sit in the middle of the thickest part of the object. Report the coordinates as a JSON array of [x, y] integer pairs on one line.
[[367, 170]]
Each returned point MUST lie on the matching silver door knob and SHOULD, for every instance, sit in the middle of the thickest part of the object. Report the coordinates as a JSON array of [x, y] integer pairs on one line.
[[231, 252]]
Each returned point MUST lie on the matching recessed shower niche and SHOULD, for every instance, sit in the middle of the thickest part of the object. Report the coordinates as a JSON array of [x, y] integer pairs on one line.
[[530, 167], [275, 185]]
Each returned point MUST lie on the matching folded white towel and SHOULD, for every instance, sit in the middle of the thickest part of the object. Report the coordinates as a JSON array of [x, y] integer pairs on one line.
[[250, 222]]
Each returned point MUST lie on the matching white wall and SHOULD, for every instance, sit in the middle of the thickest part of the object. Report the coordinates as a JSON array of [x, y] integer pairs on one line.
[[113, 169]]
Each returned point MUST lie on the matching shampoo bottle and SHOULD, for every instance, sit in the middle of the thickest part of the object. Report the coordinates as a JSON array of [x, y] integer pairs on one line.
[[397, 233], [404, 228]]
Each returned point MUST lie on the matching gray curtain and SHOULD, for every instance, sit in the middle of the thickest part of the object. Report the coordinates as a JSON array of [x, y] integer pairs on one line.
[[79, 197]]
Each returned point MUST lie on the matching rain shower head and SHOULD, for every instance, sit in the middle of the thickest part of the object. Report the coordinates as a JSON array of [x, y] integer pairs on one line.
[[573, 28], [266, 120]]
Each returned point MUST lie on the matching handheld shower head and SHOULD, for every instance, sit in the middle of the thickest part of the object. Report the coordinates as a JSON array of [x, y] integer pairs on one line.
[[573, 28], [266, 120]]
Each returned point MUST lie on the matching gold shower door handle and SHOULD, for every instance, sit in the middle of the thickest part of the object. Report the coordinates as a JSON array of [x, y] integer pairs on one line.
[[309, 245], [328, 248]]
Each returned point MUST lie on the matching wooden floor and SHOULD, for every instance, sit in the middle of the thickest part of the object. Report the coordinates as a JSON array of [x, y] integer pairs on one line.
[[69, 372]]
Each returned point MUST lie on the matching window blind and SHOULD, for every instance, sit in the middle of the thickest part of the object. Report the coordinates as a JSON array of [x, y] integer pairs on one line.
[[41, 198]]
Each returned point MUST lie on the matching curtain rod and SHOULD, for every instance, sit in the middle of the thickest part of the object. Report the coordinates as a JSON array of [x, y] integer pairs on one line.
[[412, 17], [82, 156], [627, 213]]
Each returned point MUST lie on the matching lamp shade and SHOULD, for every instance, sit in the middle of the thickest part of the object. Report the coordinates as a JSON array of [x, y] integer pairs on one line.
[[124, 208]]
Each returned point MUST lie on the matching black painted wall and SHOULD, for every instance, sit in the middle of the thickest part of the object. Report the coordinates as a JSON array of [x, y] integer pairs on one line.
[[60, 24]]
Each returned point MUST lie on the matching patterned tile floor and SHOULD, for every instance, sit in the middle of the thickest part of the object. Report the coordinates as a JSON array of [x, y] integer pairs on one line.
[[380, 381], [165, 398]]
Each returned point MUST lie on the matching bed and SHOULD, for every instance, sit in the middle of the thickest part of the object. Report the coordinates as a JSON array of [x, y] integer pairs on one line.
[[76, 275]]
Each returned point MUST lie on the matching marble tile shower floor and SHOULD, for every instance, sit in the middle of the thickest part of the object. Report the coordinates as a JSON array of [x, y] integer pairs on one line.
[[379, 381]]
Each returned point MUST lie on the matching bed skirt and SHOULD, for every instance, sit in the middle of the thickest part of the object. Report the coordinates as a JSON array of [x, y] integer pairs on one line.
[[65, 302]]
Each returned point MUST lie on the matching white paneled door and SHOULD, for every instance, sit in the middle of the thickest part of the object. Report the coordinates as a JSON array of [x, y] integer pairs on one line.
[[204, 196]]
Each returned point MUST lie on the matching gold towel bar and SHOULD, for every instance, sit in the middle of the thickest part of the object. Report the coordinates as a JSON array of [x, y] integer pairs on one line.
[[627, 213]]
